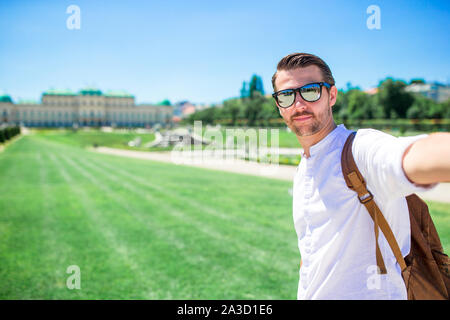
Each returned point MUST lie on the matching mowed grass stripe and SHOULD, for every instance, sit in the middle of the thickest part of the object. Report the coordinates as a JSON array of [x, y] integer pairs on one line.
[[140, 284], [223, 234], [34, 259], [45, 256], [102, 262], [24, 238], [257, 243], [194, 271], [247, 192], [58, 250], [241, 222], [126, 203], [73, 236], [215, 242], [245, 222], [208, 272], [270, 258]]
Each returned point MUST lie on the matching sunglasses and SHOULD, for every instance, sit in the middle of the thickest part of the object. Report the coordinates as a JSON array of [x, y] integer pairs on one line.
[[310, 92]]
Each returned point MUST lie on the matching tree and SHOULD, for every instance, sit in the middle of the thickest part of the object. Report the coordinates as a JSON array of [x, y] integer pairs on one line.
[[269, 110], [393, 98], [232, 108], [423, 108], [357, 106], [435, 110], [253, 108], [339, 104], [256, 86], [446, 109], [417, 81], [418, 109], [375, 109], [244, 90]]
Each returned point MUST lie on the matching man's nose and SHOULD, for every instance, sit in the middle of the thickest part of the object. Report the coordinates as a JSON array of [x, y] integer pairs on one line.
[[299, 103]]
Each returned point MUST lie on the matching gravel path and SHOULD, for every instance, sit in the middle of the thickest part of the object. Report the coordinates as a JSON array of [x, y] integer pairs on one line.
[[283, 172]]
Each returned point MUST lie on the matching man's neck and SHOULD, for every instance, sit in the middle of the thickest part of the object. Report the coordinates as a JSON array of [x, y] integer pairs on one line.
[[308, 141]]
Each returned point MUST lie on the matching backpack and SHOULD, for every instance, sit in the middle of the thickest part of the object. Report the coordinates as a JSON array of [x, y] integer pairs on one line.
[[425, 270]]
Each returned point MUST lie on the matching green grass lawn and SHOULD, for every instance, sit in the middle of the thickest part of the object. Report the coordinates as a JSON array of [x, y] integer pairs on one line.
[[285, 139], [89, 138], [139, 229]]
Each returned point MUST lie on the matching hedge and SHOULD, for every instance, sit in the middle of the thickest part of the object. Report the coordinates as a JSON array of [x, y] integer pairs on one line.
[[7, 133]]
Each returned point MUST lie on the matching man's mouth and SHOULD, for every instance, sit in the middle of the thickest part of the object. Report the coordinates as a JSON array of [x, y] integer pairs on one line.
[[302, 118]]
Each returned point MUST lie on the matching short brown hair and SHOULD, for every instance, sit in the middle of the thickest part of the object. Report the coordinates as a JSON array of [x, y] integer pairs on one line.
[[301, 60]]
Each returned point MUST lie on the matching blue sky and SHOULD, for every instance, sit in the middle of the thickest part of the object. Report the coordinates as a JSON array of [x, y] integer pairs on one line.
[[202, 50]]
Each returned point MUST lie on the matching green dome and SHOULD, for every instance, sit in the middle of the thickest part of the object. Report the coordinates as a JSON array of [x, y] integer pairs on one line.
[[164, 103], [89, 91], [5, 98]]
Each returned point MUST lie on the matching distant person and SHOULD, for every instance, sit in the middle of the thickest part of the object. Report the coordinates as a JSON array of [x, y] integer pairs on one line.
[[335, 232]]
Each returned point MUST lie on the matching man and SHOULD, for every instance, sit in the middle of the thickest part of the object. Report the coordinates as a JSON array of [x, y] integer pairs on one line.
[[335, 231]]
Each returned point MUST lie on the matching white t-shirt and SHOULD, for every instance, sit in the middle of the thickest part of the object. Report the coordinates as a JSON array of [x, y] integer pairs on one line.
[[335, 232]]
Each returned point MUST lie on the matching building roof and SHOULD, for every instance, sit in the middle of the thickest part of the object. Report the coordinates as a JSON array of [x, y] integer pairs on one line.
[[22, 101], [118, 94], [59, 92], [89, 91], [188, 110], [371, 91]]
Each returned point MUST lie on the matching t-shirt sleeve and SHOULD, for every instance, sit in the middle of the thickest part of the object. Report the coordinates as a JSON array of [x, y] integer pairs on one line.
[[379, 157]]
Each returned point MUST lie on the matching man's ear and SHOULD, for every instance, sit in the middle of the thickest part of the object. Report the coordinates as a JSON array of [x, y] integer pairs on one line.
[[333, 95]]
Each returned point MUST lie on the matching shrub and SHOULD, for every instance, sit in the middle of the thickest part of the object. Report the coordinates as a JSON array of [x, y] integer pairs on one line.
[[6, 134]]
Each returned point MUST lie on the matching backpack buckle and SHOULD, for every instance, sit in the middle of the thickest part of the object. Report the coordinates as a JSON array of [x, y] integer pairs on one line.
[[365, 197]]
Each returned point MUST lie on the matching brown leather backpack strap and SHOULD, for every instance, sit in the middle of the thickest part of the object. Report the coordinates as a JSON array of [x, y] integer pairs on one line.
[[356, 182], [388, 234]]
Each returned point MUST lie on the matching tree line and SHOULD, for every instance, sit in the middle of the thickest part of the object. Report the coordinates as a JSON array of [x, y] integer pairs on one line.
[[391, 101]]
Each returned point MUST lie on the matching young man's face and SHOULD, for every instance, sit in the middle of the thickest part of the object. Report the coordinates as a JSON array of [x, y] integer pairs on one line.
[[306, 118]]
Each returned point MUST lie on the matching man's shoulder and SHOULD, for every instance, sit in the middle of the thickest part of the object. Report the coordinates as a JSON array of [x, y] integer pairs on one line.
[[370, 144], [366, 137], [372, 133]]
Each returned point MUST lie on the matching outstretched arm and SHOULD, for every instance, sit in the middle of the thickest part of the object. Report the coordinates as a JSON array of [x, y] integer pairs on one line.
[[427, 161]]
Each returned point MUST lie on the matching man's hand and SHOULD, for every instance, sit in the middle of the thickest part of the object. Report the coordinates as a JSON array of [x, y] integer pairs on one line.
[[427, 160]]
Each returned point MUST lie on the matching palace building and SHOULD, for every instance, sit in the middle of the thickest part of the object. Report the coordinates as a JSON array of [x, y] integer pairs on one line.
[[88, 107]]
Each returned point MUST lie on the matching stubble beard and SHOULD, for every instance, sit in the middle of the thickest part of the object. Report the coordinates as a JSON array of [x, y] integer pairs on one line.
[[316, 124]]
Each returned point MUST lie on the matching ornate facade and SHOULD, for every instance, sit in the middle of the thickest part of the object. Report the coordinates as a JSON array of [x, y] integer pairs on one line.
[[88, 107]]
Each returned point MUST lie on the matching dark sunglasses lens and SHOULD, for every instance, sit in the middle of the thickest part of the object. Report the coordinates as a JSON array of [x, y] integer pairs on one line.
[[310, 92], [286, 98]]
